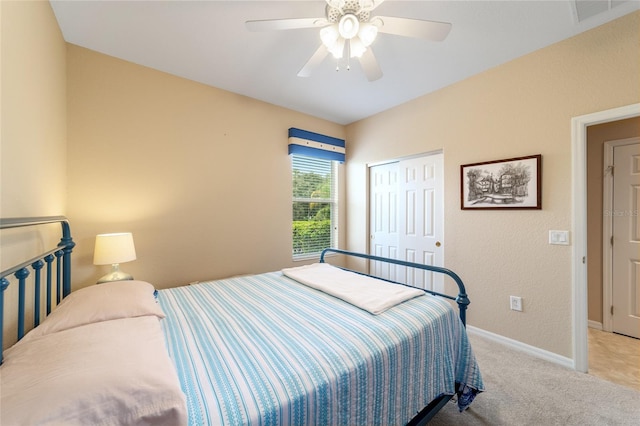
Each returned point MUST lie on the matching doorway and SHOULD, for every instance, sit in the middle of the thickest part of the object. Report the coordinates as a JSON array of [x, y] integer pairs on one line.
[[407, 218], [603, 209], [612, 355], [580, 231]]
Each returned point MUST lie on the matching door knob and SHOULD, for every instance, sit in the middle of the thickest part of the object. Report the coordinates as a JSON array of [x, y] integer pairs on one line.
[[438, 244]]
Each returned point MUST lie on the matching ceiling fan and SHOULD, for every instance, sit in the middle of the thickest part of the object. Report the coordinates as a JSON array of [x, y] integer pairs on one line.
[[349, 27]]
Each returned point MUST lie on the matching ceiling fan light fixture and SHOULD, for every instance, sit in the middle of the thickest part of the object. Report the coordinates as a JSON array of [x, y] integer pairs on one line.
[[356, 47], [350, 21], [367, 33], [337, 49], [348, 26], [329, 35]]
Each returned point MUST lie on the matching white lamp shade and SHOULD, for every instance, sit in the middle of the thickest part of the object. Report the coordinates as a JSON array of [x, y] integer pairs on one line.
[[114, 248]]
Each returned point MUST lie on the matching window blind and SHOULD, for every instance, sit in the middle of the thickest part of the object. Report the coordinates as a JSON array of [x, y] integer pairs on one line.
[[314, 208]]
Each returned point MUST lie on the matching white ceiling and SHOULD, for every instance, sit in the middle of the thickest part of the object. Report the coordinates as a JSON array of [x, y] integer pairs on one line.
[[207, 41]]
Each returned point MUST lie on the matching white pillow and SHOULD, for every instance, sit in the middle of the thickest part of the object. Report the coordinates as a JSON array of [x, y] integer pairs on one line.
[[108, 373], [101, 302]]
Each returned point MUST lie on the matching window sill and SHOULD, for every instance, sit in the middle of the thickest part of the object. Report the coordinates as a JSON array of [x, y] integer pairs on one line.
[[307, 257], [315, 256]]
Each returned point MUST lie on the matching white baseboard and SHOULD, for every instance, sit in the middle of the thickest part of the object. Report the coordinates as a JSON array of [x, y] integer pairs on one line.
[[595, 324], [531, 350]]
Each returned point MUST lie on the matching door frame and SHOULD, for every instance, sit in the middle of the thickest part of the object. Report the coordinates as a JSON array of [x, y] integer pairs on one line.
[[579, 229], [607, 231]]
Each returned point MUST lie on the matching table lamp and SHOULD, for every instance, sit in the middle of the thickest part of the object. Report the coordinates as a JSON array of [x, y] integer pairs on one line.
[[114, 249]]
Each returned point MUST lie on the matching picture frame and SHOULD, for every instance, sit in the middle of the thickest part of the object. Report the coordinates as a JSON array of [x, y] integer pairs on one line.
[[511, 184]]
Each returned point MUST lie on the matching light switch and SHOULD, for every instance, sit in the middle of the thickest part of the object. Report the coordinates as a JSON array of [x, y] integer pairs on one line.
[[559, 237]]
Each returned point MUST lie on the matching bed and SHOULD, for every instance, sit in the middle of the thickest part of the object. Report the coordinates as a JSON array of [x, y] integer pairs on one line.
[[284, 347]]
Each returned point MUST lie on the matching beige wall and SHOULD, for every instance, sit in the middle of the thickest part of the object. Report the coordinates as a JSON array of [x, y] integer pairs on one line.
[[33, 140], [200, 176], [33, 111], [520, 108], [596, 137]]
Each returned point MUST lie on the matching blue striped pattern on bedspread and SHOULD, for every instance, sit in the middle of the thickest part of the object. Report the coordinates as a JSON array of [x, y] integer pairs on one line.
[[266, 350]]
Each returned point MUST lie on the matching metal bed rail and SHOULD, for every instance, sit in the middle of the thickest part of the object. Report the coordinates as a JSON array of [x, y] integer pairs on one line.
[[61, 272], [461, 299]]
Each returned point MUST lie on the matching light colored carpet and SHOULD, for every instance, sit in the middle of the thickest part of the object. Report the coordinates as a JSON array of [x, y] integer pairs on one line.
[[525, 390]]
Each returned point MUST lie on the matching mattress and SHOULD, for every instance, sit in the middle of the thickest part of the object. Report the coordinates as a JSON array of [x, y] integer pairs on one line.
[[268, 350]]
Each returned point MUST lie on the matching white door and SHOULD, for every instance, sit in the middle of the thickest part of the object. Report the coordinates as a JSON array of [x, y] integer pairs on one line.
[[407, 223], [383, 181], [626, 240]]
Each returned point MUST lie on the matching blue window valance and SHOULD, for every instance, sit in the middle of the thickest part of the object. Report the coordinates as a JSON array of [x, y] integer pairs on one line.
[[310, 144]]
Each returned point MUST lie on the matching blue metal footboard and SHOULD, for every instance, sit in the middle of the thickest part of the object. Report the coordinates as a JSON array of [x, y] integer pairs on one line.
[[58, 275], [461, 299], [424, 416]]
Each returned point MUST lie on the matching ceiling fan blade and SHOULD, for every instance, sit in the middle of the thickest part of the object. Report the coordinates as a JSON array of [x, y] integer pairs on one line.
[[370, 65], [285, 24], [416, 28], [315, 60]]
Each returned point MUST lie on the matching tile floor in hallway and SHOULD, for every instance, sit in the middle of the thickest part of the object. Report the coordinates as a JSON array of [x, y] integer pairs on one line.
[[614, 358]]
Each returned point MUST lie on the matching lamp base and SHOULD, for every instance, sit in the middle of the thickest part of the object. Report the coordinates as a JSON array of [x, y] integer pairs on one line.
[[115, 276]]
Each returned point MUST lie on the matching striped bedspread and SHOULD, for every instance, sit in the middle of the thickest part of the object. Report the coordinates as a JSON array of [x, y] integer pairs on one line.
[[266, 350]]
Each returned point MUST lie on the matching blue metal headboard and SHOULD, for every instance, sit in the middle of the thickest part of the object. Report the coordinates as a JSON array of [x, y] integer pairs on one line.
[[62, 271], [461, 299]]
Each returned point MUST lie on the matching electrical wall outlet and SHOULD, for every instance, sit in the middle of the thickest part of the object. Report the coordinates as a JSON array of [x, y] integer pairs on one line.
[[515, 303]]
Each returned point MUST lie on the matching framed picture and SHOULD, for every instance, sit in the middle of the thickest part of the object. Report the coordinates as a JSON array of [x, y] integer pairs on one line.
[[515, 183]]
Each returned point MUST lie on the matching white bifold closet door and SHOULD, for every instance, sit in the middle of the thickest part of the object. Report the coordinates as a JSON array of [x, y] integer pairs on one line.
[[406, 218]]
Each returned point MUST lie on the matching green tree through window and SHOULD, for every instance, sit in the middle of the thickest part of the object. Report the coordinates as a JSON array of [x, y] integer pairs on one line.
[[314, 205]]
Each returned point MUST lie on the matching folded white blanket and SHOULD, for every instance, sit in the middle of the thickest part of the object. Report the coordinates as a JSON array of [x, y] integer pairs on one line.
[[371, 294]]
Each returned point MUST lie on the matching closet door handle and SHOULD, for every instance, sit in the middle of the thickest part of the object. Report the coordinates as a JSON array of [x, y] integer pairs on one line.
[[438, 243]]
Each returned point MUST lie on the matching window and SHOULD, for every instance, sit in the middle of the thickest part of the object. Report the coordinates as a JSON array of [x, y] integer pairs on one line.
[[315, 205], [314, 166]]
